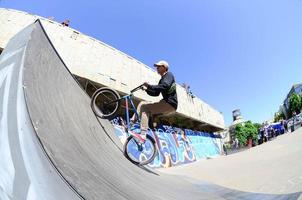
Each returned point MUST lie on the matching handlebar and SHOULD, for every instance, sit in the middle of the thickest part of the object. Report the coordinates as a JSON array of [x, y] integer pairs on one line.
[[137, 88]]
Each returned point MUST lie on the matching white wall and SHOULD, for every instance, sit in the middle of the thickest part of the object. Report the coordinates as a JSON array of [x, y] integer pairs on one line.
[[99, 62]]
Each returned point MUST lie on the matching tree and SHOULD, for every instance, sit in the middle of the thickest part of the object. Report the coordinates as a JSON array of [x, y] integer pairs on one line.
[[246, 131], [300, 101], [251, 130], [278, 116], [240, 134], [295, 103], [257, 125]]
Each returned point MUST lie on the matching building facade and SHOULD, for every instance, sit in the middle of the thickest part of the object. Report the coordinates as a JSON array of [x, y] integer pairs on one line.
[[284, 108], [97, 64]]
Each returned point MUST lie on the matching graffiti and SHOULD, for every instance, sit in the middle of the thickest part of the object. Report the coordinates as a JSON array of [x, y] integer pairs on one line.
[[175, 146]]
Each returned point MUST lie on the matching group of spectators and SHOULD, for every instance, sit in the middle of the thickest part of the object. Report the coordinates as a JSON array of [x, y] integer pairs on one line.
[[66, 22], [188, 90], [267, 132]]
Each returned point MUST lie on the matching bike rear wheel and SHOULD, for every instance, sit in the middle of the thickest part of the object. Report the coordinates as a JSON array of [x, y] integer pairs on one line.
[[140, 154], [104, 102]]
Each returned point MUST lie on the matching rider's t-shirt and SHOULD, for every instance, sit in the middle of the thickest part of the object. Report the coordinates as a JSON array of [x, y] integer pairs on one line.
[[167, 88]]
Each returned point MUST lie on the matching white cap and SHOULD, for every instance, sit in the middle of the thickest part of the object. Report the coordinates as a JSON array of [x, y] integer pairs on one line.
[[162, 63]]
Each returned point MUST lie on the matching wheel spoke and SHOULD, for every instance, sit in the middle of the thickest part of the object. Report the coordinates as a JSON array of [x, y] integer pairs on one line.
[[102, 102], [140, 153]]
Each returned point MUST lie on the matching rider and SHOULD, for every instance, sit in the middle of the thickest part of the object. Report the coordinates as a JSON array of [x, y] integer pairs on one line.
[[167, 87]]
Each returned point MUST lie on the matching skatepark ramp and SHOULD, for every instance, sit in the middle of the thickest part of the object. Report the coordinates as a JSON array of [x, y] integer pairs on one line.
[[53, 147]]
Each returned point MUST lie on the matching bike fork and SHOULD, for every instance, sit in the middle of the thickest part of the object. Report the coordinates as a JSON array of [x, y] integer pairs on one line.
[[127, 114]]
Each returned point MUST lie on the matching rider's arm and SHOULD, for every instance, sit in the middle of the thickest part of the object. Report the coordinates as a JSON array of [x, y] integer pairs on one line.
[[152, 92], [163, 85]]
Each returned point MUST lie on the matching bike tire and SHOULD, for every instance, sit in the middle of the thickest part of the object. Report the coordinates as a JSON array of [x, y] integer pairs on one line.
[[150, 140], [98, 103]]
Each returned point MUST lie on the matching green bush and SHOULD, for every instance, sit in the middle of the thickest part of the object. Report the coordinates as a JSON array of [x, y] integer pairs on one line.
[[228, 146], [246, 131], [240, 134], [295, 103]]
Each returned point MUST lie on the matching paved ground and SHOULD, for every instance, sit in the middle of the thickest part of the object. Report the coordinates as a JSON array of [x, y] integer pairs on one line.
[[274, 167], [232, 151]]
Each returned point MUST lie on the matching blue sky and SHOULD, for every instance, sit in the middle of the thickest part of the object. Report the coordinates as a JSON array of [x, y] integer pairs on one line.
[[233, 53]]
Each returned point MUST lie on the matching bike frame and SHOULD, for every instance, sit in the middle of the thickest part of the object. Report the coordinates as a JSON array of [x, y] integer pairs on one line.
[[132, 136], [127, 99]]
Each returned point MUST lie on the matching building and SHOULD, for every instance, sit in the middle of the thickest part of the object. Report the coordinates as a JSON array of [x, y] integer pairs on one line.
[[96, 64], [284, 108], [237, 119]]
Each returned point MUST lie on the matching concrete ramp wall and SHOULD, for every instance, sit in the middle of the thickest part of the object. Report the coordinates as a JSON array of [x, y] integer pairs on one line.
[[25, 171]]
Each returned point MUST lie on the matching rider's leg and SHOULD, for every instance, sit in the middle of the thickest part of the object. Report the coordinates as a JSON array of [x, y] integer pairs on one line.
[[145, 113], [147, 110], [138, 109]]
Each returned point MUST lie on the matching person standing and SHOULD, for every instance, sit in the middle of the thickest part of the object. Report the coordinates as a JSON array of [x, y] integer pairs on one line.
[[236, 143]]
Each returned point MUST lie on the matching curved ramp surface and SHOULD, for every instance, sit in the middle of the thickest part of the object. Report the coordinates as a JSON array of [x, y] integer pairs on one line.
[[53, 146], [25, 170]]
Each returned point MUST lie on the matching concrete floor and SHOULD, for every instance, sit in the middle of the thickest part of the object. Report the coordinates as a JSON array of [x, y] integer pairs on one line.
[[273, 167]]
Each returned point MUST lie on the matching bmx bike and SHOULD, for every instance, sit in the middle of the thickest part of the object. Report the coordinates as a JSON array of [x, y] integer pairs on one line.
[[105, 103]]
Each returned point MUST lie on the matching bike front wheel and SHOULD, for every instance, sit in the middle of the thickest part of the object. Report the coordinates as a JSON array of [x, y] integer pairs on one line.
[[140, 154], [105, 102]]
